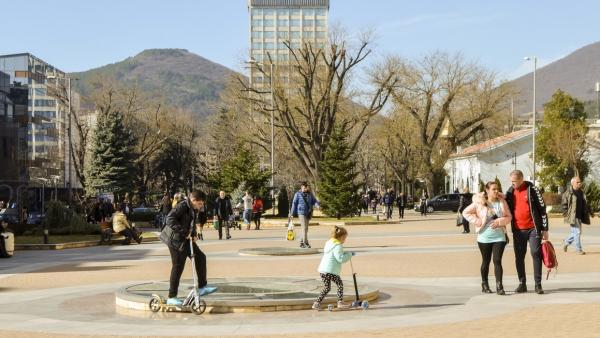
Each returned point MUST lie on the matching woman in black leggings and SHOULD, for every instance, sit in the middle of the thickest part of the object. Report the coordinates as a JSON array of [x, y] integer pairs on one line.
[[490, 214]]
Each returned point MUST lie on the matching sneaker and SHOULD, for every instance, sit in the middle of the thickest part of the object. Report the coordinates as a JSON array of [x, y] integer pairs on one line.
[[174, 302], [580, 252], [565, 246], [306, 245], [302, 245], [316, 306], [139, 240], [342, 305], [206, 290], [228, 237]]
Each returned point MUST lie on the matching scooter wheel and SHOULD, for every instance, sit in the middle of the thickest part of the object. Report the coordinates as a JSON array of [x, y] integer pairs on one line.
[[155, 304], [200, 308], [365, 305]]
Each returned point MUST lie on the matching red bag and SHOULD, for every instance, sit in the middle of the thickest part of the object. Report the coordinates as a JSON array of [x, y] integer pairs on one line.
[[549, 257]]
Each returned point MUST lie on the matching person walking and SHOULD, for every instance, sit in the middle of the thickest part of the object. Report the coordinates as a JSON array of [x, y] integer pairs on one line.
[[331, 266], [575, 212], [489, 213], [529, 225], [223, 210], [423, 206], [247, 201], [178, 231], [165, 207], [257, 210], [388, 200], [302, 207], [466, 198], [401, 203]]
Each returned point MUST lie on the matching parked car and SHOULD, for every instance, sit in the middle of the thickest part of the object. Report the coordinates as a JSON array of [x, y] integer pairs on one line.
[[10, 215], [445, 202], [143, 214], [36, 218]]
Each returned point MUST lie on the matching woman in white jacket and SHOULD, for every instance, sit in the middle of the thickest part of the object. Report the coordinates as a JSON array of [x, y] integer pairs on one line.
[[489, 213]]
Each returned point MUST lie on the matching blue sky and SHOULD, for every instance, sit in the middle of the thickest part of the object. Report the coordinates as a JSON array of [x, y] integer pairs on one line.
[[77, 35]]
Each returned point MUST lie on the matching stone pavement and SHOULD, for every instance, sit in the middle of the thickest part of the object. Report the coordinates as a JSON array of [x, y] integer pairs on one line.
[[426, 270]]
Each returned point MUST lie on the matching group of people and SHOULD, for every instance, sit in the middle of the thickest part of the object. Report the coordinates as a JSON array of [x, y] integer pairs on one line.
[[523, 209], [253, 209], [387, 199]]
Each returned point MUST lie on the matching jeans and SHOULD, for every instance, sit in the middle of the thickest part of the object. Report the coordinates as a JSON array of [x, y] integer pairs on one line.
[[247, 216], [178, 263], [401, 211], [304, 220], [520, 240], [388, 210], [575, 235], [488, 250]]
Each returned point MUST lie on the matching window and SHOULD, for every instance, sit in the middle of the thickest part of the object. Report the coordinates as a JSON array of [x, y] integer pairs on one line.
[[295, 12], [257, 57], [268, 12], [284, 23], [257, 34], [321, 11], [269, 23], [295, 45], [321, 23], [321, 34], [281, 45], [308, 12], [282, 57], [256, 45], [283, 12], [269, 34], [295, 34], [257, 23], [269, 45], [308, 35], [282, 34], [294, 23], [309, 23], [256, 12]]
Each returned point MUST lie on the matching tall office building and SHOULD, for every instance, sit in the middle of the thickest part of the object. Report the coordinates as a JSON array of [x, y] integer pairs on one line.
[[34, 128], [274, 21]]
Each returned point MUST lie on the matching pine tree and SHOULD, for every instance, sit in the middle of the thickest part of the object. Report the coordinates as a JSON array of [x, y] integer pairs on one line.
[[338, 191], [111, 165]]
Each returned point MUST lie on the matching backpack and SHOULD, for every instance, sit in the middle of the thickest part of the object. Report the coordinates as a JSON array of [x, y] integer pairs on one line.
[[549, 257]]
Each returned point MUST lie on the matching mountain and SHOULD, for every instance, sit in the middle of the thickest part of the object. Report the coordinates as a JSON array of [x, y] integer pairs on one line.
[[575, 74], [183, 79]]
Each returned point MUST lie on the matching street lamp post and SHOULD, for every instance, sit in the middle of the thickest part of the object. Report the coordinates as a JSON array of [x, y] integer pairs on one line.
[[534, 58], [252, 61]]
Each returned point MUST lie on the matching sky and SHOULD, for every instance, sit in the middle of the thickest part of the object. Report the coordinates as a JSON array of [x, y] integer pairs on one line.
[[77, 35]]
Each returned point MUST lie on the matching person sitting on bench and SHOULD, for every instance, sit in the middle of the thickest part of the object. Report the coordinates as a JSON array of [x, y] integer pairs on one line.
[[122, 226]]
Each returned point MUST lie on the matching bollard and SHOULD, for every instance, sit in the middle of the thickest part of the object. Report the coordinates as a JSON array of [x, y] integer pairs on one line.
[[378, 217], [45, 236]]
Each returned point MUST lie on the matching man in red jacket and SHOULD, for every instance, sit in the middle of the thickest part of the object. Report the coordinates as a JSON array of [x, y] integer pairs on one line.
[[529, 225]]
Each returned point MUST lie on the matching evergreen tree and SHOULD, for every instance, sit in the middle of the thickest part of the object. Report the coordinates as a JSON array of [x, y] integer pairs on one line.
[[561, 141], [111, 164], [338, 191], [497, 181], [244, 169]]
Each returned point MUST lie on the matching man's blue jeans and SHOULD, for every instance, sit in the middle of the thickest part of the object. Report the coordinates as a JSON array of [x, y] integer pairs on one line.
[[575, 235], [247, 216]]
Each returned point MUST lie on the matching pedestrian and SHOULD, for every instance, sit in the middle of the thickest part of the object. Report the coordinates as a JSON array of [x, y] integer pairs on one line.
[[165, 207], [302, 207], [257, 210], [120, 225], [247, 201], [575, 211], [365, 203], [466, 198], [489, 213], [401, 203], [223, 210], [529, 225], [423, 205], [176, 234], [388, 200], [331, 266]]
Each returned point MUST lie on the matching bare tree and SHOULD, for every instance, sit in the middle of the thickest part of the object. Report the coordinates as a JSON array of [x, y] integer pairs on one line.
[[450, 100], [317, 96]]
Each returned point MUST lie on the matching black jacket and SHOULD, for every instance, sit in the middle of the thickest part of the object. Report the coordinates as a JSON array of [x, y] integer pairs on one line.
[[536, 205], [180, 223], [401, 200], [220, 204]]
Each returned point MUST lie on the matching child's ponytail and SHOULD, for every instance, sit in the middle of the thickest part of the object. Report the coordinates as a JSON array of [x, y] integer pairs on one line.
[[338, 232]]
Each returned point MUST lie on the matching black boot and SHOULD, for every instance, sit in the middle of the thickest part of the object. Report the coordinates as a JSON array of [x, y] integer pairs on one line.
[[500, 289], [538, 289], [522, 288], [485, 287]]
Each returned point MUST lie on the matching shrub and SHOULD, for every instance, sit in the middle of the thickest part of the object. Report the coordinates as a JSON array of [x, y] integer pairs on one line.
[[60, 220], [592, 194]]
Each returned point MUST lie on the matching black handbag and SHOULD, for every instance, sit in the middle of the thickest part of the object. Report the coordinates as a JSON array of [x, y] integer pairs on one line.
[[171, 238]]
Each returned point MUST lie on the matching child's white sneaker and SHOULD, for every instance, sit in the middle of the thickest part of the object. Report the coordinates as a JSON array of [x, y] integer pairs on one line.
[[342, 305]]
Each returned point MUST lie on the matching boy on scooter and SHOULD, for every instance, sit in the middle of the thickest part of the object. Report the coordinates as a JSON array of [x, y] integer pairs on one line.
[[179, 229]]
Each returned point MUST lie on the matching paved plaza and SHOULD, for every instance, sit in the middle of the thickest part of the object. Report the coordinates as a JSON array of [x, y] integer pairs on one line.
[[426, 271]]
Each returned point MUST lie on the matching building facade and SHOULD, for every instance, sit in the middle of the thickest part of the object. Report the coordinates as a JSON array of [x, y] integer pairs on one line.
[[273, 23], [36, 130]]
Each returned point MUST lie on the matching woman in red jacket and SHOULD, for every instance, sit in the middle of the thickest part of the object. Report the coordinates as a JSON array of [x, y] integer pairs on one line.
[[257, 210]]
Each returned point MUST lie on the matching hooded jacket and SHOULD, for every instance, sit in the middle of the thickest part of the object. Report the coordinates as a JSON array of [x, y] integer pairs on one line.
[[476, 213], [333, 257], [537, 207], [180, 223]]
